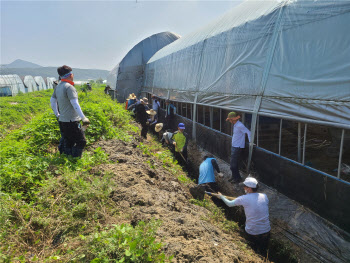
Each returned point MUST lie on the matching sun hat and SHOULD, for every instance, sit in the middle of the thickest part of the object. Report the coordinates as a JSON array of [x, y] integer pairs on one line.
[[250, 182], [132, 96], [158, 127], [181, 126], [232, 114], [144, 100], [151, 112]]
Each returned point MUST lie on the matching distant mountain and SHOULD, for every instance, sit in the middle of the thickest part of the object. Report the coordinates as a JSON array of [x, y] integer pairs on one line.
[[79, 74], [19, 63]]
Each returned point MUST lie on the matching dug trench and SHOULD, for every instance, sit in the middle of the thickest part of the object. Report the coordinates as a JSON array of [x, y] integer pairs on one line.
[[191, 230]]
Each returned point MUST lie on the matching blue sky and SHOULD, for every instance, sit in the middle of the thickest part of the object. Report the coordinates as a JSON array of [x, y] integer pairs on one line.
[[94, 34]]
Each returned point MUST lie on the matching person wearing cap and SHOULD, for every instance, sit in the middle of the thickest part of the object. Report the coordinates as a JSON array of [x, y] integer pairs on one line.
[[180, 141], [238, 143], [256, 209], [170, 111], [65, 98], [141, 116], [206, 174]]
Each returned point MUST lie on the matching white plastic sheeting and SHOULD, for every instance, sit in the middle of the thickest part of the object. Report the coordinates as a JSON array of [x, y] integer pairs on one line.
[[128, 76], [11, 85], [29, 83], [286, 59], [49, 81], [40, 83]]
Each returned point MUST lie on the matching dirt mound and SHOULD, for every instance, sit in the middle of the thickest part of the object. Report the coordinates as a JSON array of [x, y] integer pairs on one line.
[[144, 193]]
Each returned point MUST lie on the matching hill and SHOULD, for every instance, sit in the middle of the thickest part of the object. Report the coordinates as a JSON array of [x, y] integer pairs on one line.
[[79, 74], [19, 63]]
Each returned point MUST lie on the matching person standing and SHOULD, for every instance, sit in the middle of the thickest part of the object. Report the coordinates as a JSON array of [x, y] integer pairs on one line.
[[238, 143], [180, 140], [141, 116], [256, 209], [155, 104], [170, 111], [65, 98]]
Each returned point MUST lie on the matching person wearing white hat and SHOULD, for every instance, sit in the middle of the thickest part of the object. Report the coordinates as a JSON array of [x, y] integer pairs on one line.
[[256, 209]]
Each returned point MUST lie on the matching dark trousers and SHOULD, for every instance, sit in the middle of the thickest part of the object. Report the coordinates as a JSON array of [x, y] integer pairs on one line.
[[235, 157], [259, 243], [211, 187], [74, 138], [144, 130]]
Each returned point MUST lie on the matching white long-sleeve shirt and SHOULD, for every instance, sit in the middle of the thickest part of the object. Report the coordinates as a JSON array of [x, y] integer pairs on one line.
[[238, 138], [256, 209]]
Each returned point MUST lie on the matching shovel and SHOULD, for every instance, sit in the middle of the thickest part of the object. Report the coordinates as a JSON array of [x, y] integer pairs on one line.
[[218, 196]]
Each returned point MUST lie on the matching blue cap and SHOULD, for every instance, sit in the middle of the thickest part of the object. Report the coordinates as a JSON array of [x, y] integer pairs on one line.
[[181, 126]]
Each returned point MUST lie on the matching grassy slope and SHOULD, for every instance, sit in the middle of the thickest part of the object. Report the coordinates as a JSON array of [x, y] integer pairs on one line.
[[45, 196]]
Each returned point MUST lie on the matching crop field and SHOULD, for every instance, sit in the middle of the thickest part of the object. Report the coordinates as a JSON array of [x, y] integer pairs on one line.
[[125, 200]]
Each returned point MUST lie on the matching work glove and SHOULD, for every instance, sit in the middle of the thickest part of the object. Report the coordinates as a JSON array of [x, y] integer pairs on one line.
[[221, 175], [86, 121]]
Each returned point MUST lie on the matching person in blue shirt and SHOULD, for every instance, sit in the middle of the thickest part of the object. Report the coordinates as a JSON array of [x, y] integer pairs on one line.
[[206, 174]]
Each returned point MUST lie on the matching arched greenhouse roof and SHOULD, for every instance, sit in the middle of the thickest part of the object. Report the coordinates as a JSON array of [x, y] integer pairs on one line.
[[40, 83], [30, 83], [11, 85], [127, 76], [49, 81], [284, 59]]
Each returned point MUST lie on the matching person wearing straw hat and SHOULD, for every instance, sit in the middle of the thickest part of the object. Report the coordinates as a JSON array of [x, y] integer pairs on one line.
[[141, 116], [153, 118], [180, 140], [238, 143], [130, 100], [256, 209], [158, 129]]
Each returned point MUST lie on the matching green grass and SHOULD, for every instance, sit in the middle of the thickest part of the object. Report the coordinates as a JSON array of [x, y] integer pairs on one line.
[[18, 110], [29, 156], [216, 215], [55, 208]]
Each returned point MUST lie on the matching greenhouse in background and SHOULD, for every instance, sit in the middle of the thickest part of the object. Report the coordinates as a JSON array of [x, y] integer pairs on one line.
[[40, 83], [11, 85], [49, 82], [128, 76], [29, 83]]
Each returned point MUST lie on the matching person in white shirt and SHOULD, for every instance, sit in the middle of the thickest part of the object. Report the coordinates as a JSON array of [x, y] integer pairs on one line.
[[256, 209], [238, 143], [155, 104]]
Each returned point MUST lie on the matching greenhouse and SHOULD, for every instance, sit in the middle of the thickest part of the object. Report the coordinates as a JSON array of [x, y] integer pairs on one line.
[[29, 84], [40, 83], [49, 82], [127, 76], [11, 85], [285, 65]]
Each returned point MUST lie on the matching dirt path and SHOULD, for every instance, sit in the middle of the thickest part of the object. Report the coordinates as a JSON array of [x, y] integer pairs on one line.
[[144, 193]]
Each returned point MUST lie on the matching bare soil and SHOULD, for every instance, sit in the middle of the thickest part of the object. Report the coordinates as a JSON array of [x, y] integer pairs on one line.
[[144, 193]]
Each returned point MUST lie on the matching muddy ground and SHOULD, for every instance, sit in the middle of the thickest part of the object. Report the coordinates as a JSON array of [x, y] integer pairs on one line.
[[144, 193]]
